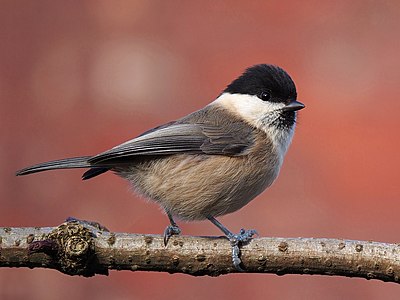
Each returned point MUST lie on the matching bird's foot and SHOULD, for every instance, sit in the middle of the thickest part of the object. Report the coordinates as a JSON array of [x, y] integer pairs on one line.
[[236, 240], [170, 231]]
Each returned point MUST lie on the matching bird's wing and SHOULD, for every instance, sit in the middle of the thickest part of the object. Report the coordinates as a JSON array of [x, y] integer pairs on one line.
[[177, 138]]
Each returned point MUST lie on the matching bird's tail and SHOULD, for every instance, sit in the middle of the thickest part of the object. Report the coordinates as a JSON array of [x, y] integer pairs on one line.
[[66, 163]]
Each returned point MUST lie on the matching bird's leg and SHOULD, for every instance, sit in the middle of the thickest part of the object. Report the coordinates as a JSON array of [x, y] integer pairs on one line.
[[235, 239], [171, 230]]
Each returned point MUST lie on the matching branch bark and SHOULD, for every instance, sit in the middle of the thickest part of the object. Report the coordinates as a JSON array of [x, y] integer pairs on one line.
[[77, 248]]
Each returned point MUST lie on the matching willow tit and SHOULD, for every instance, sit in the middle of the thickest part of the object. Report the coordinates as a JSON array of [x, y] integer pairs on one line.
[[211, 162]]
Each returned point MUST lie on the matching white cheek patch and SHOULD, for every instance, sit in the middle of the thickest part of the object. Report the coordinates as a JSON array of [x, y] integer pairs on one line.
[[251, 108], [260, 114]]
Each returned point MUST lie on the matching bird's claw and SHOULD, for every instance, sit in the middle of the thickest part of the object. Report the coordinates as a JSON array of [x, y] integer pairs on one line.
[[170, 231], [243, 237]]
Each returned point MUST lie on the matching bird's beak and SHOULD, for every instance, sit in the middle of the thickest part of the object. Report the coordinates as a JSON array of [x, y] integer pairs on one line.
[[293, 106]]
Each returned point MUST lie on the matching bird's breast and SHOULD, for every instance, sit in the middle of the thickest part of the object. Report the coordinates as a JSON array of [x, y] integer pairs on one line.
[[193, 187]]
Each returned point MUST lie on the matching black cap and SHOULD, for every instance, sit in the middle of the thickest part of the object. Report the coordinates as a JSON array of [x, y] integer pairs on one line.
[[261, 78]]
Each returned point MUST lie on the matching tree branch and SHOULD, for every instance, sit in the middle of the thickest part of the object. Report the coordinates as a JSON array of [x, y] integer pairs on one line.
[[78, 248]]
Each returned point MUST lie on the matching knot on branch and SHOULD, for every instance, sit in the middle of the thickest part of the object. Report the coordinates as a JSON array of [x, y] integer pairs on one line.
[[75, 248]]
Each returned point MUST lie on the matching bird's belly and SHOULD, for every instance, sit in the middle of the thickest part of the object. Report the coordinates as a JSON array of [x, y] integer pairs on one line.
[[194, 187]]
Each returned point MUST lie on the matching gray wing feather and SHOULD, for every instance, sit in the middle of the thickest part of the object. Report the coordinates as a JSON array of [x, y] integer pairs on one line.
[[234, 140], [180, 138]]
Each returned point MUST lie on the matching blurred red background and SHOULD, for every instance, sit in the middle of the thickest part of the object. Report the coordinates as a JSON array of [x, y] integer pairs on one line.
[[78, 77]]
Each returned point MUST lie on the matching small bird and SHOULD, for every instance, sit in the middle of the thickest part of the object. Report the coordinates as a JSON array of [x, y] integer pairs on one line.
[[211, 162]]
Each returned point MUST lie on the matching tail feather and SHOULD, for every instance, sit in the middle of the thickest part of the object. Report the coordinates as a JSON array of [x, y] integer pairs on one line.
[[93, 173], [67, 163]]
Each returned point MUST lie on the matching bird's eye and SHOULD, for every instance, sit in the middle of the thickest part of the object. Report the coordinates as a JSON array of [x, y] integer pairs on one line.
[[265, 96]]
